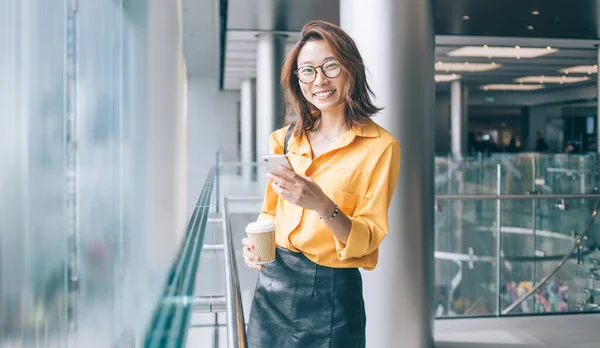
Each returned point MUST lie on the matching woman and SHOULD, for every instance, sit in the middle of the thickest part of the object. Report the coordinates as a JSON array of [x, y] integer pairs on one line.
[[331, 211]]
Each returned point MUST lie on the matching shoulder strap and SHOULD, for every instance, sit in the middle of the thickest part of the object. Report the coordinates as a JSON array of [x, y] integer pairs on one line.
[[287, 138]]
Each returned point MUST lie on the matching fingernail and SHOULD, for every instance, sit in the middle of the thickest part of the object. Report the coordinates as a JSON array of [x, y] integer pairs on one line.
[[256, 258]]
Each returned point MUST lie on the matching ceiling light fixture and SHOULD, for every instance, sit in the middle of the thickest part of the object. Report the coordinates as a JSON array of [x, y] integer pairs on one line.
[[501, 52], [511, 87], [535, 13], [466, 18], [550, 79], [530, 27], [447, 78], [466, 66], [581, 69]]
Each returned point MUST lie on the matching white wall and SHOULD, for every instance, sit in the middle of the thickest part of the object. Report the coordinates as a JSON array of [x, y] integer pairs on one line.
[[212, 126]]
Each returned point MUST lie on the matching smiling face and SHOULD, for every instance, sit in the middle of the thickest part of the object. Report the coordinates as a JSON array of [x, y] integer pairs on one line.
[[325, 93]]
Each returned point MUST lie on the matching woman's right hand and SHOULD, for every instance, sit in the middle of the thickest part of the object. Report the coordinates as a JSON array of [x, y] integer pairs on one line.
[[249, 257]]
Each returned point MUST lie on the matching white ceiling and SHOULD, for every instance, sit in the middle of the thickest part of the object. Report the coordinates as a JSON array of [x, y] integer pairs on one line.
[[201, 37], [240, 58], [246, 18]]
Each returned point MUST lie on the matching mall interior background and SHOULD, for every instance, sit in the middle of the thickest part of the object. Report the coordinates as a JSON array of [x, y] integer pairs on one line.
[[113, 114]]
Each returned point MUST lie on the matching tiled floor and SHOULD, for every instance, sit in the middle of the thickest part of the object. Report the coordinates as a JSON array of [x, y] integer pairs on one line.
[[564, 331]]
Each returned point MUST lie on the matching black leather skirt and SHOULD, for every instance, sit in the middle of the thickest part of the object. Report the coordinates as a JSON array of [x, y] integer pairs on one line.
[[299, 304]]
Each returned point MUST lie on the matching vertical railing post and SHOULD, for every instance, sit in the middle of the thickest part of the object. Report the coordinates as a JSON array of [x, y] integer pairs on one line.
[[216, 331], [534, 221], [217, 180], [499, 237]]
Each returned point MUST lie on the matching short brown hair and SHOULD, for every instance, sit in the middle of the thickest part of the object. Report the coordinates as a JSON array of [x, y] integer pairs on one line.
[[358, 93]]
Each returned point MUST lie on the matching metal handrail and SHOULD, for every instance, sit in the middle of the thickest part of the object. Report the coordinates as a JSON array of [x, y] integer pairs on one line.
[[558, 266], [516, 197], [471, 197], [236, 326]]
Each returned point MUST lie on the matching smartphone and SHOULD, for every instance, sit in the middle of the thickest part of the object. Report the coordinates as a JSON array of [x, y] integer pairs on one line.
[[272, 162]]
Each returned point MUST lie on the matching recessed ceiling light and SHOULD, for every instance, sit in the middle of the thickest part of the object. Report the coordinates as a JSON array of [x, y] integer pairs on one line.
[[511, 87], [466, 18], [580, 69], [447, 78], [501, 52], [548, 48], [466, 66], [550, 79], [485, 46], [530, 27], [535, 13]]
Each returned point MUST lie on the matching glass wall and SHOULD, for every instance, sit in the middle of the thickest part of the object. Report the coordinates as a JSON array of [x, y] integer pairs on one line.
[[72, 176], [35, 222]]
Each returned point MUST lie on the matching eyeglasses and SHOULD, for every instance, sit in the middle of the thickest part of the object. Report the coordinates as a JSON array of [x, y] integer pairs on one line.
[[330, 69]]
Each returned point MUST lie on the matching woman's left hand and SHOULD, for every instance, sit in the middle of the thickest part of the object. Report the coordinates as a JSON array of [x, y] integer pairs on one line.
[[301, 191]]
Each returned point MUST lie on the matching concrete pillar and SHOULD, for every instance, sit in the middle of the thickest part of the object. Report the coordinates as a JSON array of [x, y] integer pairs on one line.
[[269, 98], [166, 132], [459, 118], [398, 51], [248, 127]]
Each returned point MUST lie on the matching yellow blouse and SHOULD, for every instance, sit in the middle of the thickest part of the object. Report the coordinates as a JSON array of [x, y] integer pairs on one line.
[[359, 173]]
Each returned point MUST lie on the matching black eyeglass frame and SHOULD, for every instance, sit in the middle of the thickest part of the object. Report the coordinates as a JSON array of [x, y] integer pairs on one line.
[[322, 71]]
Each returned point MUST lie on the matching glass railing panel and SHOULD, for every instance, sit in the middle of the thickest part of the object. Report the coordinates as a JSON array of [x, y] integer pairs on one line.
[[568, 173], [465, 176], [465, 254], [533, 258], [523, 172]]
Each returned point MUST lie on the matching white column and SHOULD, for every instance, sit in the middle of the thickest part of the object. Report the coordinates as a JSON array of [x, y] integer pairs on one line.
[[269, 98], [248, 127], [459, 118], [396, 40], [166, 133]]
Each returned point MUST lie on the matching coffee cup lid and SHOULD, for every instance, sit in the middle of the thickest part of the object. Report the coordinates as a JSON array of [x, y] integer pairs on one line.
[[260, 227]]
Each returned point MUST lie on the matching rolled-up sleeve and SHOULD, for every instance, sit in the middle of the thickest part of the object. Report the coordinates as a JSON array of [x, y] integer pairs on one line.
[[269, 206], [370, 218]]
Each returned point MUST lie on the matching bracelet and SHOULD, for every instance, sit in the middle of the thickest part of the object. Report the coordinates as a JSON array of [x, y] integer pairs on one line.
[[335, 212]]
